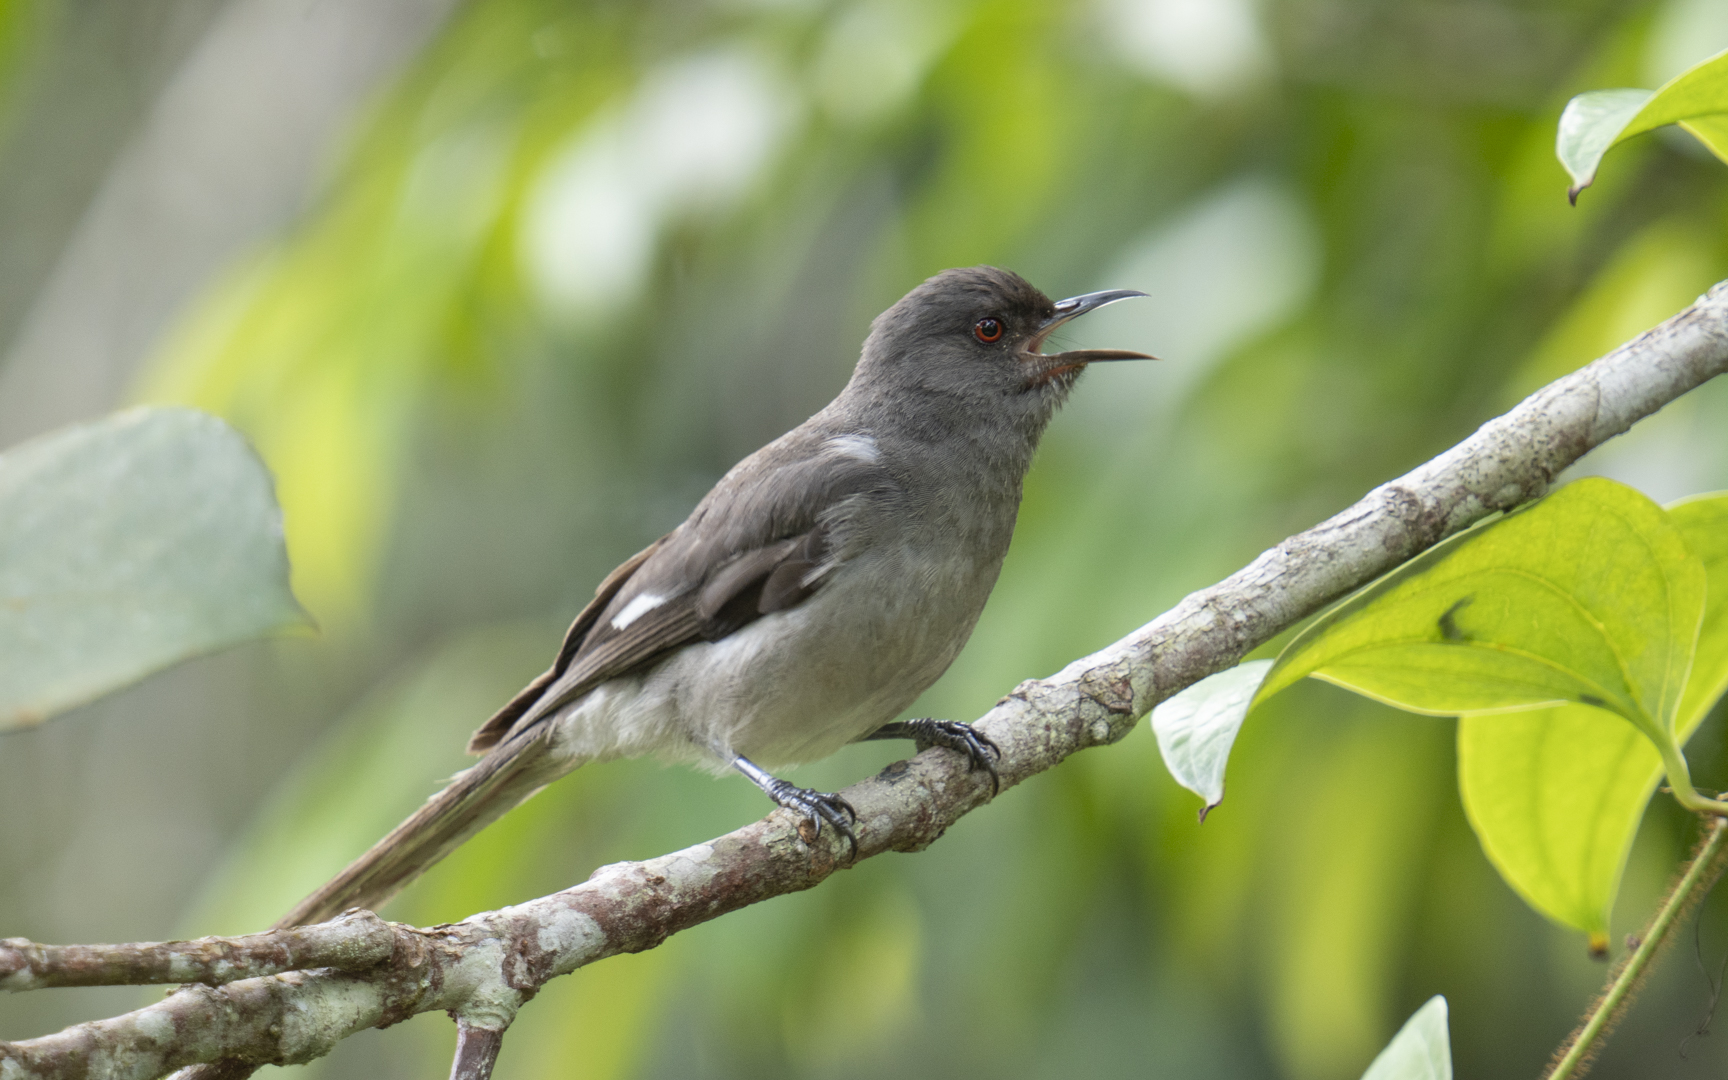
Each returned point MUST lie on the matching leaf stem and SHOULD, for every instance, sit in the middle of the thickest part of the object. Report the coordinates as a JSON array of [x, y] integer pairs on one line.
[[1680, 782], [1700, 874]]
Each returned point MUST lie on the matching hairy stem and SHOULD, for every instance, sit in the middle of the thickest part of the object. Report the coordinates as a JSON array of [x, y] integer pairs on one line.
[[1700, 874]]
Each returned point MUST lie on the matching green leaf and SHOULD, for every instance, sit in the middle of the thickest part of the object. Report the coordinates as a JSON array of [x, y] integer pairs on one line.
[[1590, 124], [1703, 521], [1589, 595], [1595, 122], [1712, 131], [1197, 727], [1422, 1049], [126, 545], [1548, 605], [1556, 795]]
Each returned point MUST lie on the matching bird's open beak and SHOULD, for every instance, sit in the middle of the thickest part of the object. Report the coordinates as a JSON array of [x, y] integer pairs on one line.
[[1042, 367]]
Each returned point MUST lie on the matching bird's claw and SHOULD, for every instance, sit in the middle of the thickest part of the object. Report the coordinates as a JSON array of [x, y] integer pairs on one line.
[[981, 752], [817, 807]]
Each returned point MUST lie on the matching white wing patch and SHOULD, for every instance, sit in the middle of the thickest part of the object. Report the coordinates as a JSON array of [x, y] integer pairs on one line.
[[859, 447], [635, 609]]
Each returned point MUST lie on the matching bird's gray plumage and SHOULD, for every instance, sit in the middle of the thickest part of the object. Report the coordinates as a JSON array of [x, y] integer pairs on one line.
[[825, 581]]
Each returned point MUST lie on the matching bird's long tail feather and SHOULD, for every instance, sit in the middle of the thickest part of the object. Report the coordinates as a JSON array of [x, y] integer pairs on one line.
[[505, 778]]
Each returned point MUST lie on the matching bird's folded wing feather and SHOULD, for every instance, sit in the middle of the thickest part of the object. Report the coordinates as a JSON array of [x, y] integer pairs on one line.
[[494, 730], [779, 534]]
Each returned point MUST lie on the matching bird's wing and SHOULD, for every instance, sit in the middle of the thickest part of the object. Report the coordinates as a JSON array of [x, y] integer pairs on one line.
[[494, 729], [771, 533], [730, 593]]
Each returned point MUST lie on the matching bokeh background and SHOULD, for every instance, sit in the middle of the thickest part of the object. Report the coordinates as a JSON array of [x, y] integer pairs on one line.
[[498, 288]]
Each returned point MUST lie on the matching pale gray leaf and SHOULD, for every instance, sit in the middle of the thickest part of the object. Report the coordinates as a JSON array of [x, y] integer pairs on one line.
[[126, 545], [1197, 727], [1591, 123], [1422, 1049]]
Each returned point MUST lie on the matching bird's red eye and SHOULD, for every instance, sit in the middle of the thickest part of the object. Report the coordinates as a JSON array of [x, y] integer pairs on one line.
[[988, 330]]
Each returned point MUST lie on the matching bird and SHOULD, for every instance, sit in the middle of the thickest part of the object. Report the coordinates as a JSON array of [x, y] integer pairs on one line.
[[824, 583]]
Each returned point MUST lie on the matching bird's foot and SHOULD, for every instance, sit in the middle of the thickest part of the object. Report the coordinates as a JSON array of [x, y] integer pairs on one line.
[[980, 751], [816, 806]]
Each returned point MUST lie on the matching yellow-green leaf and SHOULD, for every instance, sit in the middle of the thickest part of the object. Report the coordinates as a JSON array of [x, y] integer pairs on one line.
[[1556, 795], [1595, 122], [1703, 521], [1589, 596]]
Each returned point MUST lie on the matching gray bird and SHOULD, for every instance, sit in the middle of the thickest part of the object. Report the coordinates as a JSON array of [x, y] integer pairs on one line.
[[824, 583]]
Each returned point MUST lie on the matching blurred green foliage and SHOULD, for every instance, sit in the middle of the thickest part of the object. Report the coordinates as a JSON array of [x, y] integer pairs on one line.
[[581, 257], [18, 19]]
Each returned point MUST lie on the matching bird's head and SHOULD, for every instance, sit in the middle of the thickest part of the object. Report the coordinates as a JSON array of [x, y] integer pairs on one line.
[[977, 336]]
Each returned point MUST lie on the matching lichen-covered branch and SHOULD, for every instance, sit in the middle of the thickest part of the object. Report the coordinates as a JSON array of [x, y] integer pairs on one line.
[[482, 969], [356, 940]]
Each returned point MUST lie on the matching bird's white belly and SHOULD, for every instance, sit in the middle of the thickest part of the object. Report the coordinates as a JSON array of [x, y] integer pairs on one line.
[[792, 686]]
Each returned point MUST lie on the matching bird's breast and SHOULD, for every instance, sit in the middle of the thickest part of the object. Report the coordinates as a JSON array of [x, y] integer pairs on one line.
[[799, 684]]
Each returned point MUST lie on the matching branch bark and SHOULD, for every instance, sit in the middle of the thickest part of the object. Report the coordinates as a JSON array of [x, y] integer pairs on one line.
[[476, 1052], [482, 969], [353, 941]]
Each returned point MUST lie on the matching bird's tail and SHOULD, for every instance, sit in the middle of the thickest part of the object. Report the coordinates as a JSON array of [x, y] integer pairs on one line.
[[505, 778]]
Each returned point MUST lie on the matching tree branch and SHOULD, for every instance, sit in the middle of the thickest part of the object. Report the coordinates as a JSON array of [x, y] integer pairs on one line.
[[351, 942], [482, 969], [476, 1052]]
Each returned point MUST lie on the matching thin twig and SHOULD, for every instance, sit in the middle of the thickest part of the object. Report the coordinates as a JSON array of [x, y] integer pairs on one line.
[[1576, 1054]]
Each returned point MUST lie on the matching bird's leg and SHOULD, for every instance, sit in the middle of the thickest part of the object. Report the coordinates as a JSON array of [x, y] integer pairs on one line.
[[980, 752], [816, 806]]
